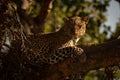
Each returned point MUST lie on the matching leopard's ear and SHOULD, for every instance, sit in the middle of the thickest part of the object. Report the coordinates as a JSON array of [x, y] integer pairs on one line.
[[65, 20], [86, 19]]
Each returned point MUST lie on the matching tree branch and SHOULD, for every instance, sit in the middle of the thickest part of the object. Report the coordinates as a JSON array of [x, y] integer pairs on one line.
[[40, 19], [98, 56]]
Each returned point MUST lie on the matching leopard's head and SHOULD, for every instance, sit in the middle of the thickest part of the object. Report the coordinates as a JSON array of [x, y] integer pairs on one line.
[[76, 26]]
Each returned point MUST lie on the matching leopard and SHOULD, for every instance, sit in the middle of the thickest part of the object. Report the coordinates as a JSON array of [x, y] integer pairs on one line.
[[55, 46]]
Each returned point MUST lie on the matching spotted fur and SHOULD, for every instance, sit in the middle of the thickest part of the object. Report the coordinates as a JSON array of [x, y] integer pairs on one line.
[[53, 47]]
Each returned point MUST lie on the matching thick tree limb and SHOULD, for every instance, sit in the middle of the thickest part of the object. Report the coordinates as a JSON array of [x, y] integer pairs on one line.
[[98, 56], [40, 19], [5, 20]]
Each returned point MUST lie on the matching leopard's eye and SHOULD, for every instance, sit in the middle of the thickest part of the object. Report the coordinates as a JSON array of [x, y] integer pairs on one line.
[[79, 26]]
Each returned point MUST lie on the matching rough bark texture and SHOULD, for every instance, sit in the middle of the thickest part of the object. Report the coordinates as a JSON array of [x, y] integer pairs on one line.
[[3, 21], [98, 56]]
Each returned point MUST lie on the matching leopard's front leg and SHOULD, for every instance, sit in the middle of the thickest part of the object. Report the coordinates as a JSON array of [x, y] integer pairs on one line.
[[80, 54], [61, 54]]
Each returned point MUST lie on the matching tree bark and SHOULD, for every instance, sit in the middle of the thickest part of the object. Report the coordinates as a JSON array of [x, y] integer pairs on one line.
[[38, 22], [40, 19], [98, 56]]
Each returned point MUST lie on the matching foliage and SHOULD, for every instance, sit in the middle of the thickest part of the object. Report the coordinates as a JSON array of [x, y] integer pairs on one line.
[[97, 31], [94, 9], [117, 31]]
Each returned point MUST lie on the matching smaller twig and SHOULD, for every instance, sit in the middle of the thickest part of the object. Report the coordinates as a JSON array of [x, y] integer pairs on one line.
[[22, 35], [40, 19], [118, 37], [7, 45]]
